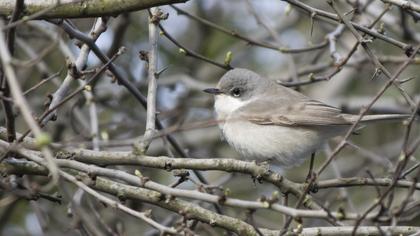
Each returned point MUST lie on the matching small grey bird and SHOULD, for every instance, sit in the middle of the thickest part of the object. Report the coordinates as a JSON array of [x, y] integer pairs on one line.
[[265, 121]]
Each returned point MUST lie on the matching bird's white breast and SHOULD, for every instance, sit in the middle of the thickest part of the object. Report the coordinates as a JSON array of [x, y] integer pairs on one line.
[[288, 145]]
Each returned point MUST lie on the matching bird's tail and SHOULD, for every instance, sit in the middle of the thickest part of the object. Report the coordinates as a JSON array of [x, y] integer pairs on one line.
[[374, 118]]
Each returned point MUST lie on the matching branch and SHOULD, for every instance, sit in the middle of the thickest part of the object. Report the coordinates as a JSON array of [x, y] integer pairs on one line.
[[82, 9], [362, 181], [404, 4], [191, 53], [237, 35], [260, 172], [333, 18], [81, 61], [152, 76]]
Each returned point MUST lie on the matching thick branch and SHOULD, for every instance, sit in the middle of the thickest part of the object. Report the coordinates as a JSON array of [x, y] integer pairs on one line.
[[80, 9], [260, 172], [404, 4]]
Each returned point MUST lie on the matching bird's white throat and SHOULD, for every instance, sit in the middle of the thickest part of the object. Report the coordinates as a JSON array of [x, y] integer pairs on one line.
[[225, 105]]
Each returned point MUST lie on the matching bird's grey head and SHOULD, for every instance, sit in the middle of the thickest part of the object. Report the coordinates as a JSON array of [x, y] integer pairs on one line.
[[240, 83]]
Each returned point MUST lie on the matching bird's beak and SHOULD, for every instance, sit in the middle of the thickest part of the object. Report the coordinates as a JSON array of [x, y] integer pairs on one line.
[[214, 91]]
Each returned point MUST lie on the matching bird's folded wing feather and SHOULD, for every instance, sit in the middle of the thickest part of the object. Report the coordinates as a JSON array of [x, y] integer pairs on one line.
[[303, 113]]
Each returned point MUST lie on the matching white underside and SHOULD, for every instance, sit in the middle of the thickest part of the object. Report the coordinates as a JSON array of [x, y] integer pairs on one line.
[[289, 146]]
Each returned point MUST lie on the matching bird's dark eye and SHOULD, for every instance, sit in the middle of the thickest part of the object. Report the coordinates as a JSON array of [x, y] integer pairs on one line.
[[236, 92]]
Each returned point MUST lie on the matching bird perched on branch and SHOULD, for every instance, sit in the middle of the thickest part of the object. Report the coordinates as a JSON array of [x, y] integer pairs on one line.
[[266, 121]]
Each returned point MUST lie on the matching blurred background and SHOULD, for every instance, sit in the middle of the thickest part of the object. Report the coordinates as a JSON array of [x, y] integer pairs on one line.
[[185, 110]]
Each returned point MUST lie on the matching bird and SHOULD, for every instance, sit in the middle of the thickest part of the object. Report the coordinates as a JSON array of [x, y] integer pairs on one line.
[[265, 121]]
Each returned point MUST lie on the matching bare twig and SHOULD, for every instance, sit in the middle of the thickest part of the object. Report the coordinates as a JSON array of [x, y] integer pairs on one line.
[[191, 53], [152, 76], [247, 39], [404, 4]]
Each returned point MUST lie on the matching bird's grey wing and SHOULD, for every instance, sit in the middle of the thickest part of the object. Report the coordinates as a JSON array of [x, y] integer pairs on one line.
[[305, 112]]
